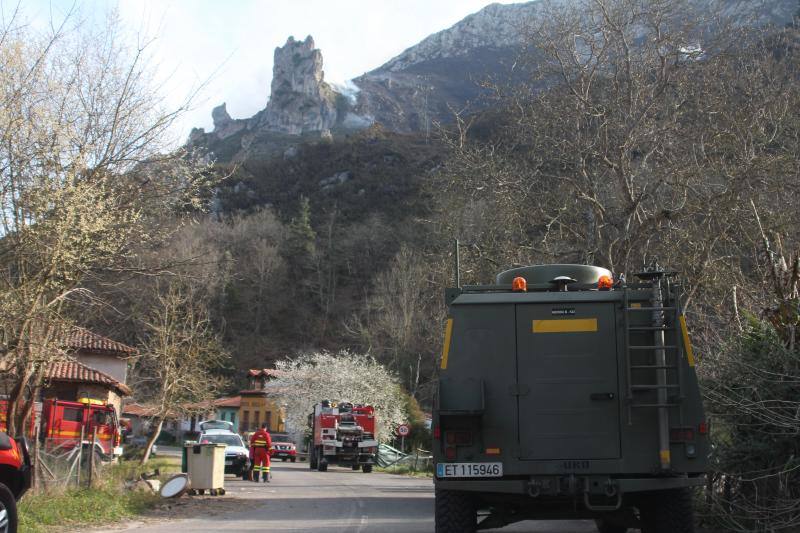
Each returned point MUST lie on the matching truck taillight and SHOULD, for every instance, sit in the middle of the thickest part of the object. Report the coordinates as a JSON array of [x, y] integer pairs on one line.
[[681, 435], [458, 438], [703, 428], [437, 432]]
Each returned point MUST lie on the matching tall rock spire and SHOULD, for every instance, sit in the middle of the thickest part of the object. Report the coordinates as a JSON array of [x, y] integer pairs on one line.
[[300, 101]]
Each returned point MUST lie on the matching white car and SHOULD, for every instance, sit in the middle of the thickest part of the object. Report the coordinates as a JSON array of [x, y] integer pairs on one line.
[[208, 425], [237, 455]]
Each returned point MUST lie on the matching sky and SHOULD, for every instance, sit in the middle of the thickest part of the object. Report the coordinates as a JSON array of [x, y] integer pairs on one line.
[[227, 46]]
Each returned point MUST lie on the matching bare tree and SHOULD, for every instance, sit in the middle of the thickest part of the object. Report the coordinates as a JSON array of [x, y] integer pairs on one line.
[[398, 323], [81, 177], [641, 132], [181, 357]]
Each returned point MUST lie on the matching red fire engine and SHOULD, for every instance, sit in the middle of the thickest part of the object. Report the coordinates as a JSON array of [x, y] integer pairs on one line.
[[62, 423], [343, 434]]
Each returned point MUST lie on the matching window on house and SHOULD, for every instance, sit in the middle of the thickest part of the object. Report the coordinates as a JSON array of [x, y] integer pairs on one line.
[[246, 420], [268, 419], [257, 419]]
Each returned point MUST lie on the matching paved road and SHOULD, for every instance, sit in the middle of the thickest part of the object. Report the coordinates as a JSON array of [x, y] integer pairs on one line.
[[336, 501], [168, 451]]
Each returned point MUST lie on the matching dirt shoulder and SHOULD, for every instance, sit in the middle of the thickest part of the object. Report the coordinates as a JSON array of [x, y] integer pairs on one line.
[[176, 509]]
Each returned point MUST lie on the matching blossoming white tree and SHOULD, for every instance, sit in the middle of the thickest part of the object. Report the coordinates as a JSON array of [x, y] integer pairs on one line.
[[344, 376]]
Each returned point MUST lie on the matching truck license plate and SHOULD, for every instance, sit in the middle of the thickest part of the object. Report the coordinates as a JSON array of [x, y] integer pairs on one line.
[[469, 469]]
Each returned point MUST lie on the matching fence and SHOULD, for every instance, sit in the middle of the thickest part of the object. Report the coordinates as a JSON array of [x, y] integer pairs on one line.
[[419, 461], [62, 463]]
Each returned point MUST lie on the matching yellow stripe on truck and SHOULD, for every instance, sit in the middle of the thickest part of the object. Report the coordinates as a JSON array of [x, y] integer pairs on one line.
[[565, 325], [448, 335], [686, 342]]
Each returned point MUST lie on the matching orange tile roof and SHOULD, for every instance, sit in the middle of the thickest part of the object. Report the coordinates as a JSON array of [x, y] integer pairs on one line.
[[137, 409], [76, 372], [234, 401], [83, 339]]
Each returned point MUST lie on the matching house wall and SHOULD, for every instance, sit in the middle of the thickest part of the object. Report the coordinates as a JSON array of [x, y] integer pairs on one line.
[[257, 409], [72, 392], [112, 365], [229, 414]]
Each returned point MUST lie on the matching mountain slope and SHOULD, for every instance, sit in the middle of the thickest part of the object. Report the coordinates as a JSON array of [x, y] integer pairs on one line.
[[444, 71]]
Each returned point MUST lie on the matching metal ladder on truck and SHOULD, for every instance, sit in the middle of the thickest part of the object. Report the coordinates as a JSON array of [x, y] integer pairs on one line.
[[666, 361]]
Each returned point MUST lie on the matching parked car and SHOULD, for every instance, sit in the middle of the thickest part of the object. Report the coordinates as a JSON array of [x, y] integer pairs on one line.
[[208, 425], [15, 479], [237, 455], [140, 441], [283, 448]]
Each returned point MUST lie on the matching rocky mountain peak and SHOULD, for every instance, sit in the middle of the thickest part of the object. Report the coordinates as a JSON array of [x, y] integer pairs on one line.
[[419, 87], [224, 125], [220, 116], [300, 100]]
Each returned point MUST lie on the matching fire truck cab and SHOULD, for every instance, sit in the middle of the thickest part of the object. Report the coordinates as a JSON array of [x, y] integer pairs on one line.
[[65, 423]]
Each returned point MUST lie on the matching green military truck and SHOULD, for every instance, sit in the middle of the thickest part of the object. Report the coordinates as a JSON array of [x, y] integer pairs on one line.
[[564, 393]]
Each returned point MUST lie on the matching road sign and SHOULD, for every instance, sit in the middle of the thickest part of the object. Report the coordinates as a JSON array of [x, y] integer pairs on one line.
[[403, 430]]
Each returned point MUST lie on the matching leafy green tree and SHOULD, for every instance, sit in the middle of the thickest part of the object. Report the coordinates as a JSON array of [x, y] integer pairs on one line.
[[300, 245]]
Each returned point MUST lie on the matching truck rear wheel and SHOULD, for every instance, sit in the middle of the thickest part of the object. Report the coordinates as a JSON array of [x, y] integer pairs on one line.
[[312, 459], [455, 512], [668, 511], [8, 511], [322, 464], [366, 468]]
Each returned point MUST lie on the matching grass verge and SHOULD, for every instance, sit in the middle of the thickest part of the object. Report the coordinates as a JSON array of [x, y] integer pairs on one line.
[[104, 503]]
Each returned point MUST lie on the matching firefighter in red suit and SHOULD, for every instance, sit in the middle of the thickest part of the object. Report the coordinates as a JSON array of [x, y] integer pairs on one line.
[[260, 444]]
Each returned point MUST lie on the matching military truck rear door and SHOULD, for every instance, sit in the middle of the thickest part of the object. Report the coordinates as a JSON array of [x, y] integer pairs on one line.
[[568, 402]]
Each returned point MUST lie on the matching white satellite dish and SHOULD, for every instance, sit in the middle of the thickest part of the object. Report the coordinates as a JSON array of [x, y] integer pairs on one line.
[[175, 486]]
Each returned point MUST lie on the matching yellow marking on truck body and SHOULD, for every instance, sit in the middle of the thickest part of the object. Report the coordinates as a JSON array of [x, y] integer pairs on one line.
[[665, 457], [565, 325], [448, 335], [686, 342]]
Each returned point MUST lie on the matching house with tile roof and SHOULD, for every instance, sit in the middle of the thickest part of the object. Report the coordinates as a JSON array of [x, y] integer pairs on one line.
[[257, 405], [97, 369], [98, 352], [72, 381]]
